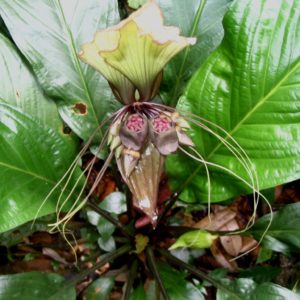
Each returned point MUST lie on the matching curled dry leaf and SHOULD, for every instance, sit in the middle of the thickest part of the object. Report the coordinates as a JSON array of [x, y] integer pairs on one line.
[[222, 258], [231, 243], [227, 246]]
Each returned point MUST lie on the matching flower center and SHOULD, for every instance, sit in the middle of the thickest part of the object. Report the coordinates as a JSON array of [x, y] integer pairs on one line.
[[135, 123], [161, 124]]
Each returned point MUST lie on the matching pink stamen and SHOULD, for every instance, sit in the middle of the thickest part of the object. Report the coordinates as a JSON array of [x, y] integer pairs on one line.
[[135, 123], [161, 124]]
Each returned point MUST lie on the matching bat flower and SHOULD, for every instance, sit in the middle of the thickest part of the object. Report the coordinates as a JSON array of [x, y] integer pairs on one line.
[[132, 54], [140, 139]]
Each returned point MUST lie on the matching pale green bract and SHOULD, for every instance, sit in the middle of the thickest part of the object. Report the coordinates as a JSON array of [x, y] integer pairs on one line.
[[194, 239]]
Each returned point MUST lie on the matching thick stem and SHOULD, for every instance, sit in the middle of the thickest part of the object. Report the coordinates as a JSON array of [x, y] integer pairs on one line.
[[103, 213], [155, 272], [201, 275]]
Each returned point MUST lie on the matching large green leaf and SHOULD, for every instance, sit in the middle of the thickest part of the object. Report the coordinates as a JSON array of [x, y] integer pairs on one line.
[[284, 230], [33, 157], [33, 286], [273, 291], [19, 88], [250, 87], [198, 18], [49, 34], [247, 289]]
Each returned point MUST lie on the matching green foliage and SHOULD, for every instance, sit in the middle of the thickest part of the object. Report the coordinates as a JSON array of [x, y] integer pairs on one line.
[[284, 232], [182, 289], [19, 88], [195, 239], [100, 289], [33, 158], [135, 4], [197, 18], [249, 87], [49, 34], [34, 286], [138, 293], [114, 203], [260, 274], [247, 289]]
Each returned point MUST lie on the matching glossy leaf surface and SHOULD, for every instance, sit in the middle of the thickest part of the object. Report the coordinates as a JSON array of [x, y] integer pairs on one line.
[[272, 291], [34, 286], [49, 34], [33, 158], [197, 18], [182, 289], [284, 230], [19, 88], [250, 87], [247, 289]]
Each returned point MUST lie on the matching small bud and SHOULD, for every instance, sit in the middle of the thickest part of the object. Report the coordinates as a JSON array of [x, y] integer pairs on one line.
[[116, 141]]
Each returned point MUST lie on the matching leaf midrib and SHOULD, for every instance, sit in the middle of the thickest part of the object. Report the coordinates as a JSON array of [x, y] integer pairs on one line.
[[240, 123], [74, 54], [27, 172], [195, 25]]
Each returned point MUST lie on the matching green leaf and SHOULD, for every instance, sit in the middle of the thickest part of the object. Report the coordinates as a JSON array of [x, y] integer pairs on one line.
[[284, 230], [135, 4], [100, 289], [242, 289], [260, 274], [114, 203], [250, 87], [138, 293], [182, 289], [33, 286], [19, 88], [264, 255], [267, 291], [108, 244], [246, 289], [194, 239], [197, 18], [32, 160], [49, 34]]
